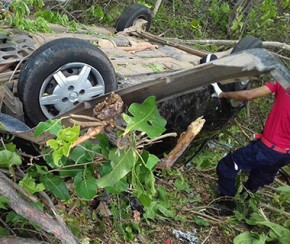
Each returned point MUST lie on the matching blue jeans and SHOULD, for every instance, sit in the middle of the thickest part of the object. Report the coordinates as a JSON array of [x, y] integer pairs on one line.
[[261, 162]]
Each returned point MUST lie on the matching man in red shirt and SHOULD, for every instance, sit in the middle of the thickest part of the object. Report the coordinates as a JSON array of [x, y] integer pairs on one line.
[[262, 158]]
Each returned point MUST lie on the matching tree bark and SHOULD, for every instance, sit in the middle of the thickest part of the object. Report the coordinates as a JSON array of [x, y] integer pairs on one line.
[[184, 140], [23, 208], [18, 240]]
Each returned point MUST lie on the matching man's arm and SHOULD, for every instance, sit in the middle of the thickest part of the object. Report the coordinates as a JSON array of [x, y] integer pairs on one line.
[[247, 94]]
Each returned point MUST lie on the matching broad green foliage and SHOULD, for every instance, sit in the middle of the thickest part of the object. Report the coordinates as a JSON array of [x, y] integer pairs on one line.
[[161, 206], [145, 117], [85, 184], [4, 232], [284, 193], [276, 233], [217, 19], [21, 11], [8, 159], [250, 237], [28, 183], [53, 17], [51, 126], [121, 166], [56, 185], [61, 145], [122, 162]]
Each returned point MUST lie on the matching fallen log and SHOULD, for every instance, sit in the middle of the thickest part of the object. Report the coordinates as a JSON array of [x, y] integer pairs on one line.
[[54, 225], [19, 240]]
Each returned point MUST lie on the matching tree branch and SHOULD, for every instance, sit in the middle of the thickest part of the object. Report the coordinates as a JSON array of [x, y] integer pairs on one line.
[[266, 44], [45, 221], [157, 5], [184, 140]]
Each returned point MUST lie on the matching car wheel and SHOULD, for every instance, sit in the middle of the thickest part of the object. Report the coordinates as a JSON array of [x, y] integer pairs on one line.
[[132, 14], [245, 43], [60, 75]]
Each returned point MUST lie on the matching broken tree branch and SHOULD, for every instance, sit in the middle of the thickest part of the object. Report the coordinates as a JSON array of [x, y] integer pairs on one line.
[[44, 220], [184, 140], [145, 141], [156, 7], [19, 240], [266, 44], [91, 133], [164, 41]]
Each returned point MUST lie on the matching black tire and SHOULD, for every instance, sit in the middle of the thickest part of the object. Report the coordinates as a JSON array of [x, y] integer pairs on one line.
[[68, 57], [245, 43], [132, 13]]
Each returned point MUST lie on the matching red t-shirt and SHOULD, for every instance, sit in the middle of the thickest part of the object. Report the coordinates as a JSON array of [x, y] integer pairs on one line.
[[277, 127]]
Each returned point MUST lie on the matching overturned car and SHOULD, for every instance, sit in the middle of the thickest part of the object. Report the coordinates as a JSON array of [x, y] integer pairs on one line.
[[50, 75]]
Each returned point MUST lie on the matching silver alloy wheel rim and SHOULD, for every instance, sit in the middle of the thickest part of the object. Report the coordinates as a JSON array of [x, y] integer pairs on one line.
[[70, 85]]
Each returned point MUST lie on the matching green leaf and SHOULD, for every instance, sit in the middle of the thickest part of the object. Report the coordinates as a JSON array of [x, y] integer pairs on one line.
[[235, 25], [150, 212], [28, 184], [3, 202], [56, 185], [10, 147], [225, 8], [145, 200], [4, 232], [106, 168], [181, 185], [8, 159], [146, 118], [254, 219], [85, 185], [200, 221], [56, 156], [78, 155], [122, 161], [97, 12], [53, 126], [277, 231], [61, 145], [41, 169], [13, 217], [166, 211], [104, 144], [119, 187], [284, 193], [150, 183], [53, 144], [70, 134], [151, 161], [250, 237], [162, 194]]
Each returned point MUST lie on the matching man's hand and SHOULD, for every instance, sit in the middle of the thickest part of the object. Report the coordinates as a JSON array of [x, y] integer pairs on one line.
[[217, 89]]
